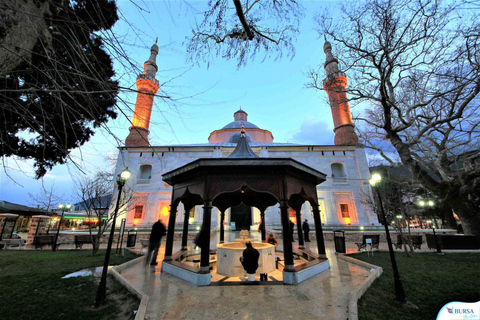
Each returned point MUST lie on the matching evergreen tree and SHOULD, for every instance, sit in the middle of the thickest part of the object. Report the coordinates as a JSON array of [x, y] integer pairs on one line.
[[51, 102]]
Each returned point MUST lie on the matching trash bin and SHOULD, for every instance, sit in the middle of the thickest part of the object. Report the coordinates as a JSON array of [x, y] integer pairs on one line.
[[339, 239], [131, 238]]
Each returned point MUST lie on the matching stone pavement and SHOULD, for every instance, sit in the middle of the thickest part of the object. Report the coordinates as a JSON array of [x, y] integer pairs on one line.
[[324, 296]]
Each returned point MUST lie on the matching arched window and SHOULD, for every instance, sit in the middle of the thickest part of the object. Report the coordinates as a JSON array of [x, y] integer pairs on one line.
[[144, 174], [338, 173]]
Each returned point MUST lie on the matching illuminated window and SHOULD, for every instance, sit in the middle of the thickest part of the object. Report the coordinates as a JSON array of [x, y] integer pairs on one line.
[[138, 212], [145, 172], [344, 210]]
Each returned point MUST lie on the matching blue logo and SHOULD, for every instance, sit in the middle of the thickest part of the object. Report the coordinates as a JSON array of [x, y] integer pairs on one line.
[[457, 310]]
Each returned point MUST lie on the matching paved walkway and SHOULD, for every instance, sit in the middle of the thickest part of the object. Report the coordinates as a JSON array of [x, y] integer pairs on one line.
[[325, 296]]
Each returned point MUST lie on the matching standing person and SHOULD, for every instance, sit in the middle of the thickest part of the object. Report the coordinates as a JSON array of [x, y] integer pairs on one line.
[[306, 230], [292, 229], [158, 231]]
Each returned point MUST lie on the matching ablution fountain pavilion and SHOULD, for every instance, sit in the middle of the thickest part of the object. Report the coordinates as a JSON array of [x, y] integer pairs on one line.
[[243, 177]]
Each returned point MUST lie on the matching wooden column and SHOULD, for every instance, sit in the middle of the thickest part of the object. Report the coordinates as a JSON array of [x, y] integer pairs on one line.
[[301, 244], [185, 227], [287, 237], [319, 231], [205, 253], [170, 232], [222, 226]]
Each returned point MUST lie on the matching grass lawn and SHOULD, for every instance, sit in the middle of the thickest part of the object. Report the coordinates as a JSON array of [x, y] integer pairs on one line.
[[429, 281], [31, 286]]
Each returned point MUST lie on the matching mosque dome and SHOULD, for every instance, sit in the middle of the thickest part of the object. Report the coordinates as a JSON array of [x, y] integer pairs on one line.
[[230, 132], [238, 125]]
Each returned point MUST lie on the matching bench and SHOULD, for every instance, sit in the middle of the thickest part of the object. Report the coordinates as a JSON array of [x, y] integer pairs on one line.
[[416, 242], [144, 243], [14, 243], [375, 241], [80, 240], [40, 241]]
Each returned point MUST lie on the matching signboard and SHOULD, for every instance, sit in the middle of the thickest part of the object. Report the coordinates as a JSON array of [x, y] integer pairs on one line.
[[120, 235], [232, 225]]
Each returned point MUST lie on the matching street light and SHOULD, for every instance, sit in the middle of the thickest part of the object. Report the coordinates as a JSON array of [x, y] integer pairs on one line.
[[102, 288], [399, 293], [430, 203], [63, 207]]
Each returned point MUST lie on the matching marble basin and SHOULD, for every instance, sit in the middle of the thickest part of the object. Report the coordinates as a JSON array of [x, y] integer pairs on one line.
[[228, 258]]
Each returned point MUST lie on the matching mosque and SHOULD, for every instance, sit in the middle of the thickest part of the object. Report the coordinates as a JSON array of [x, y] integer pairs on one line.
[[341, 197]]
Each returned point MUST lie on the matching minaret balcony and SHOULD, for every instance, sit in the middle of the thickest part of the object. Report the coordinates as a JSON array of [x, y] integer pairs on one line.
[[147, 77], [333, 76]]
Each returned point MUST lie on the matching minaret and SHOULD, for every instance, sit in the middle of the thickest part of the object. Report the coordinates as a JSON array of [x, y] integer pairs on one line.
[[147, 87], [335, 85]]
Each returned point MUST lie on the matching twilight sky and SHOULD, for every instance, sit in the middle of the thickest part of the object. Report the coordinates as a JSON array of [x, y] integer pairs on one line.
[[204, 98]]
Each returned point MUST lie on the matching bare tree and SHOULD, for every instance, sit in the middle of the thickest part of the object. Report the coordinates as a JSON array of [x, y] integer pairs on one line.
[[96, 200], [242, 29], [48, 198], [416, 66]]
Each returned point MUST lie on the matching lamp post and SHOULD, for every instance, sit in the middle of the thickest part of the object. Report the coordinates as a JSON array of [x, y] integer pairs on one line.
[[102, 288], [399, 293], [63, 207], [430, 203]]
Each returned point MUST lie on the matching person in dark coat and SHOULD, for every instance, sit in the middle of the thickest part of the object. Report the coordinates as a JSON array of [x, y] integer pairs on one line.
[[158, 231], [306, 230], [292, 229], [198, 241], [249, 258]]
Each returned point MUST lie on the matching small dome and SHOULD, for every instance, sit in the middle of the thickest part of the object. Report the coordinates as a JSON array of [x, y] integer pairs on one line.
[[240, 111], [238, 125], [236, 136]]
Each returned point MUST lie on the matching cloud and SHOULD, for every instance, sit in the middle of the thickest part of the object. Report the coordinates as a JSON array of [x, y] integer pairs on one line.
[[313, 131]]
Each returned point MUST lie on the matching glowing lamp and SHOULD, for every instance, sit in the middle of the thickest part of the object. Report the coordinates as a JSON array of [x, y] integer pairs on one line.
[[376, 177]]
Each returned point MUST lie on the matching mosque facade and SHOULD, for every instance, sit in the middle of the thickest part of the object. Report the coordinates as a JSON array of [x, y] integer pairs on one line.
[[342, 197]]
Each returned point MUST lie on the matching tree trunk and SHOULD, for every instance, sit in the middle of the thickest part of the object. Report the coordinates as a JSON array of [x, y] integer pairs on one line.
[[469, 217]]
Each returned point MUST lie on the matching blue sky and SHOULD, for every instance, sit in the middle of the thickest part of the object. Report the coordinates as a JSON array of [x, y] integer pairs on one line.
[[272, 92]]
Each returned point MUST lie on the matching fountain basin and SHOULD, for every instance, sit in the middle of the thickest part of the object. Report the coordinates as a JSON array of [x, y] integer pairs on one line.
[[228, 258]]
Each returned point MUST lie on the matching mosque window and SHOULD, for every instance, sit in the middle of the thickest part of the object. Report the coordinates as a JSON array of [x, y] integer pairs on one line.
[[344, 210], [138, 213], [338, 173], [144, 174]]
